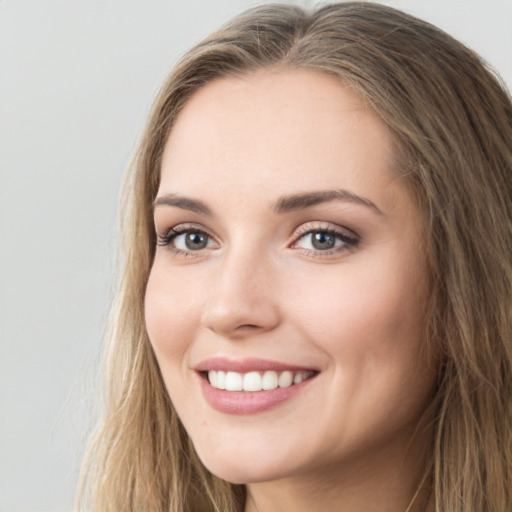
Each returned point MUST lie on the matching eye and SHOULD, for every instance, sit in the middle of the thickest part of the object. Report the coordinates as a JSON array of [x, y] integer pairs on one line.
[[191, 241], [320, 240], [185, 240], [325, 240]]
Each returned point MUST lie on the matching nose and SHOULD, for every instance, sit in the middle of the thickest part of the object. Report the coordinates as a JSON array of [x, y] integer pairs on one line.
[[242, 302]]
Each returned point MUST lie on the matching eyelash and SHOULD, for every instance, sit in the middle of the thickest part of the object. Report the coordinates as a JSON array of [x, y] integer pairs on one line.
[[348, 238], [173, 233], [349, 241]]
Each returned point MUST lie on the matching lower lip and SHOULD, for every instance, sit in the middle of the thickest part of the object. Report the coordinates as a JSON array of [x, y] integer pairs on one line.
[[248, 402]]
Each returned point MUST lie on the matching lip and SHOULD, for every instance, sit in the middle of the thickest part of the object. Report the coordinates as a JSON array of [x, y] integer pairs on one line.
[[248, 365], [248, 402]]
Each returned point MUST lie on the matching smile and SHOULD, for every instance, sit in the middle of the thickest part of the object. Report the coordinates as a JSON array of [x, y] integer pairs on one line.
[[251, 386], [256, 380]]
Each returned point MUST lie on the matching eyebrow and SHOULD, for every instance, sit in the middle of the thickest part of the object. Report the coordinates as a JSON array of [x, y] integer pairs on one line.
[[308, 199], [185, 203], [282, 205]]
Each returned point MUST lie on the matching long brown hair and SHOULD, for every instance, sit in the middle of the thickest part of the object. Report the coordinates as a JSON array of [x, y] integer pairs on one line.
[[452, 122]]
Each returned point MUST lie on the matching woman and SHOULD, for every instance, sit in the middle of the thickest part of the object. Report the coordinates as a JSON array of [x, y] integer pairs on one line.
[[314, 312]]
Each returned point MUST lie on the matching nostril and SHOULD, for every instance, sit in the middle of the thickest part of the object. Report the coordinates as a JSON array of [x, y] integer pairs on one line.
[[236, 318]]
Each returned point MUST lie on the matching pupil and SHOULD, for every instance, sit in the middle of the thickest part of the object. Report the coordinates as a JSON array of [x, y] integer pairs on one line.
[[322, 241], [195, 241]]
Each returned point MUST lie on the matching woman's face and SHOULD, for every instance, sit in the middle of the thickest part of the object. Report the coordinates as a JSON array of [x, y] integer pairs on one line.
[[290, 266]]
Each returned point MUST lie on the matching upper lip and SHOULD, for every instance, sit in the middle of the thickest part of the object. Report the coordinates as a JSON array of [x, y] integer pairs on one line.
[[247, 365]]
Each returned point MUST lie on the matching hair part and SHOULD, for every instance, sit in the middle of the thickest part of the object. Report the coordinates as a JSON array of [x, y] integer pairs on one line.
[[452, 123]]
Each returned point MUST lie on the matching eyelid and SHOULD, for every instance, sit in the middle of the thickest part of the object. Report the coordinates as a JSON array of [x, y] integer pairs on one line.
[[165, 240], [324, 226], [350, 239]]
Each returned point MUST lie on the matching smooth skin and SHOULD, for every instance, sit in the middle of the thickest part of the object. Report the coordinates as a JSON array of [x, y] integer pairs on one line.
[[339, 286]]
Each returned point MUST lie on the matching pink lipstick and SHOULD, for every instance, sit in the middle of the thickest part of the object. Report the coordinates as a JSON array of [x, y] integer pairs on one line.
[[250, 386]]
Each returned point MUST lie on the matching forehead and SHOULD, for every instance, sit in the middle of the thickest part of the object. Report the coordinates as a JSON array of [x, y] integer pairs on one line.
[[276, 127]]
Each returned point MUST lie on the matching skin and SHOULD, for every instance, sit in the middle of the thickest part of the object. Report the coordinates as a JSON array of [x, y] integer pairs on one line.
[[261, 289]]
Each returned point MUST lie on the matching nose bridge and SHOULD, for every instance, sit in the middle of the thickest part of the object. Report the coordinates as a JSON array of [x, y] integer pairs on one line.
[[242, 296]]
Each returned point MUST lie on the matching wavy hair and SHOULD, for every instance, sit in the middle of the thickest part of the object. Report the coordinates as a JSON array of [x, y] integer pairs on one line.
[[452, 122]]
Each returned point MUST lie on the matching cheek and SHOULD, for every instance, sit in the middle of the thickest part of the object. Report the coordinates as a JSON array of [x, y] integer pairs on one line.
[[365, 314], [171, 313], [371, 325]]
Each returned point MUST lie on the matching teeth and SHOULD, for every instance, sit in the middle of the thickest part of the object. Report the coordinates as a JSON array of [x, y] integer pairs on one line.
[[285, 379], [212, 377], [269, 380], [234, 381], [221, 380], [256, 381], [297, 378], [252, 381]]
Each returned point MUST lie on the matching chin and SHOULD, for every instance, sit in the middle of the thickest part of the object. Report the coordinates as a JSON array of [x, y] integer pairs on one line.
[[243, 471]]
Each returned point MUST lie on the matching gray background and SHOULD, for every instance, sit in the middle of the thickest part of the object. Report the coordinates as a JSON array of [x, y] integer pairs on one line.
[[76, 80]]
